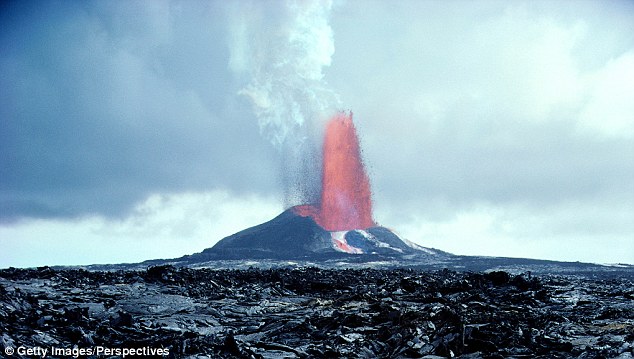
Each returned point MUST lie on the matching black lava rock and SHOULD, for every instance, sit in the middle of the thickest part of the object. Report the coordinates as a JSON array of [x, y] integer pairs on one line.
[[312, 312]]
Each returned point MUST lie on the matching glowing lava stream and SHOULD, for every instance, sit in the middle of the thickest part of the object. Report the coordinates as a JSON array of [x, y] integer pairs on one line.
[[346, 200]]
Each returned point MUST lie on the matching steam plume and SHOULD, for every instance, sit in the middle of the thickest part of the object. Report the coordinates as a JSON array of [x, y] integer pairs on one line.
[[282, 51]]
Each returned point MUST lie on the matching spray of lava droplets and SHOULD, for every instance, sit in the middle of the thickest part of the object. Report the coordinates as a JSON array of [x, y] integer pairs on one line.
[[346, 200]]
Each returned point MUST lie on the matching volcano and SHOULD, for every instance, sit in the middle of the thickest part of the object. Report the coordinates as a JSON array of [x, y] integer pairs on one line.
[[341, 224], [291, 236]]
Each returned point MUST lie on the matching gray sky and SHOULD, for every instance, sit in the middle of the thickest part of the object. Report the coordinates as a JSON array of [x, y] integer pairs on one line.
[[135, 130]]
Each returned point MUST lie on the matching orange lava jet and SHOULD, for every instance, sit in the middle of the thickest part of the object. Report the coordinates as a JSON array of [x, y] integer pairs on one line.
[[346, 200]]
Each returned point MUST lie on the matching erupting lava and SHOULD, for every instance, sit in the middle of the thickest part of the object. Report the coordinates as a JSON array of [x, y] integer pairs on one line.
[[346, 202]]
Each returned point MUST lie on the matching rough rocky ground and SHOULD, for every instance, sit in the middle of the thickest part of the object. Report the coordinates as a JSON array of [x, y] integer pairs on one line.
[[320, 313]]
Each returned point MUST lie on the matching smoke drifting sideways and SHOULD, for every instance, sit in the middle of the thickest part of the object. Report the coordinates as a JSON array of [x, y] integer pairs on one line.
[[279, 49]]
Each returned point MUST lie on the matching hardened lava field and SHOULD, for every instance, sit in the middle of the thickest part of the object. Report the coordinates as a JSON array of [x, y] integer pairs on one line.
[[309, 312]]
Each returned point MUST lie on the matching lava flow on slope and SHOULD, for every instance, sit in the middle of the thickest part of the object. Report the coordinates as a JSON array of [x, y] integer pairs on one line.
[[346, 199]]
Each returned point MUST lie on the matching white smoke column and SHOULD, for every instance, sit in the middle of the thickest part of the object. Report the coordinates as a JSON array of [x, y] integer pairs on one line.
[[282, 49]]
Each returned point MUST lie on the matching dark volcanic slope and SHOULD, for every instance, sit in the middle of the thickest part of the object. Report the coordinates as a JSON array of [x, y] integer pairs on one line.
[[292, 237], [286, 236], [319, 313]]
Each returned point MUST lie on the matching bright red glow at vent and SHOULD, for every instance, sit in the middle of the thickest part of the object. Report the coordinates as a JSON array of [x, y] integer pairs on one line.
[[346, 200]]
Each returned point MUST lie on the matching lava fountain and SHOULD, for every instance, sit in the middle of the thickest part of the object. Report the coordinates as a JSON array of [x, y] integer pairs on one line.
[[346, 199], [340, 223]]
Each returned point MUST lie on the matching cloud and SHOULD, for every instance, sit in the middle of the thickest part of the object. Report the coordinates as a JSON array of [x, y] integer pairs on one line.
[[569, 232], [488, 109], [162, 226], [105, 104], [488, 127], [610, 107]]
